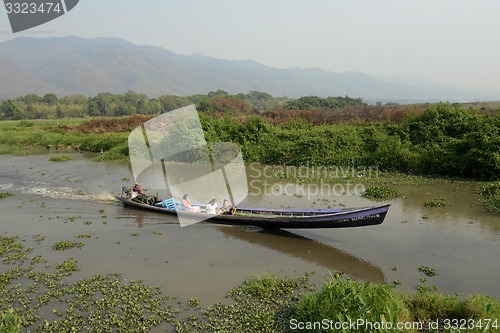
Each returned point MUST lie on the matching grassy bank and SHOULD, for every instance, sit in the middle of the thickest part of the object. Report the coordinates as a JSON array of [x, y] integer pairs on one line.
[[61, 136], [36, 295], [443, 139]]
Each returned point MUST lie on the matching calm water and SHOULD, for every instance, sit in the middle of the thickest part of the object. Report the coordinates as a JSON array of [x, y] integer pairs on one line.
[[62, 200]]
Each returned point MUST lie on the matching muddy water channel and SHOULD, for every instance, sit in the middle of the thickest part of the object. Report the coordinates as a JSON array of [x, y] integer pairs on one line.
[[61, 200]]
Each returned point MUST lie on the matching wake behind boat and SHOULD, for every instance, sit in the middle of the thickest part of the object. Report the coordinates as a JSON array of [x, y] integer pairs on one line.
[[275, 218]]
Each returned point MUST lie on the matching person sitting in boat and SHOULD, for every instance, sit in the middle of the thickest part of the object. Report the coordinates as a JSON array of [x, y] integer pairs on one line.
[[187, 205], [212, 207], [227, 209], [137, 190]]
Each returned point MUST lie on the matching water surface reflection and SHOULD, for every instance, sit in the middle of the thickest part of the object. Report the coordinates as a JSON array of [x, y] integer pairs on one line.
[[309, 250]]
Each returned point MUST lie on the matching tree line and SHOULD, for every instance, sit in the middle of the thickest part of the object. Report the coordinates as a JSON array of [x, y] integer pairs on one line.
[[50, 106]]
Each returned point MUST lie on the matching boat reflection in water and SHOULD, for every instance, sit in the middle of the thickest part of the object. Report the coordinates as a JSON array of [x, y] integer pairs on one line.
[[307, 249]]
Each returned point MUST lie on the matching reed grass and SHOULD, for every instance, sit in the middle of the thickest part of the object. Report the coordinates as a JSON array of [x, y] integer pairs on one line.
[[491, 197]]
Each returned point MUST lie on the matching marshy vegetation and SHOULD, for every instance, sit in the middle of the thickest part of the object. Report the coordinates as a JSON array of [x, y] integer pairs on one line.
[[37, 296], [441, 139]]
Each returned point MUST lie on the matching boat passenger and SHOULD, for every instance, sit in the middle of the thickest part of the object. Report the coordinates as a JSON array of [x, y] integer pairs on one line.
[[186, 204], [212, 207], [137, 190], [227, 209]]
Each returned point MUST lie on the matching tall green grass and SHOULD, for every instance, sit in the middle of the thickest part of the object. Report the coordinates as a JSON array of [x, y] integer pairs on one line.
[[344, 300], [10, 322], [491, 197], [49, 136]]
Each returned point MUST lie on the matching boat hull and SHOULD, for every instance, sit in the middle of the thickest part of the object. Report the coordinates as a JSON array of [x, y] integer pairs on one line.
[[342, 218]]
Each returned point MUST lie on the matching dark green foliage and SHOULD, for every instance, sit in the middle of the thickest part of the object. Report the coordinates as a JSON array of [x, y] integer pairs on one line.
[[118, 152], [102, 142], [5, 195], [466, 146], [380, 192], [315, 103], [455, 141]]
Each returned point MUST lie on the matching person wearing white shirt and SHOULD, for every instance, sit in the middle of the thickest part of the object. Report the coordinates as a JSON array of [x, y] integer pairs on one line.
[[212, 207]]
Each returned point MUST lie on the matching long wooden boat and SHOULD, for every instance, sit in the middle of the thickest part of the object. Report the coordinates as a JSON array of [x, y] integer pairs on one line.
[[283, 218]]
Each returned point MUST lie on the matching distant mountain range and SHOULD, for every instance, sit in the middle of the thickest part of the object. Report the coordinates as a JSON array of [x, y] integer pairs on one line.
[[68, 65]]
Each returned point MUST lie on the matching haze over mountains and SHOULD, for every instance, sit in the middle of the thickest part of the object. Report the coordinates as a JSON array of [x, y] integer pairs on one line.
[[68, 65]]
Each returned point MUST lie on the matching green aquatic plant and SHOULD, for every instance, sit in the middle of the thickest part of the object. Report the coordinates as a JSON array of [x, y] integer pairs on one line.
[[72, 218], [102, 303], [67, 267], [66, 245], [5, 195], [194, 302], [12, 251], [60, 158], [427, 270], [380, 192], [259, 306], [435, 203], [38, 238], [423, 288]]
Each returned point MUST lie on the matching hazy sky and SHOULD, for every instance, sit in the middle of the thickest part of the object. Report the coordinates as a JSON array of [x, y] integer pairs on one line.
[[455, 42]]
